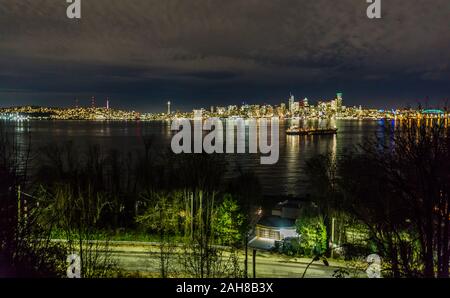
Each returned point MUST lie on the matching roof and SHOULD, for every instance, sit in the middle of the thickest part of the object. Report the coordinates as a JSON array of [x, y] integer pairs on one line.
[[259, 243], [288, 204], [276, 222]]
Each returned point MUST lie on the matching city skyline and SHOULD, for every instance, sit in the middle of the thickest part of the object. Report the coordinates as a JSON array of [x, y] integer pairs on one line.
[[170, 104], [301, 108]]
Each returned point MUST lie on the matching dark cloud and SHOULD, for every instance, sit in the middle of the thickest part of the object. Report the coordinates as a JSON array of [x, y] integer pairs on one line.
[[213, 51], [212, 75]]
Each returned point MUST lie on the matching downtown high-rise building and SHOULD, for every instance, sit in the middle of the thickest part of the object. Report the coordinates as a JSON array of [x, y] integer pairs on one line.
[[291, 103], [305, 102], [339, 102]]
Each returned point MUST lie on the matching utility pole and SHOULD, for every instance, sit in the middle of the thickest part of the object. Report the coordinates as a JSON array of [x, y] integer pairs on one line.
[[246, 256], [332, 236], [254, 263]]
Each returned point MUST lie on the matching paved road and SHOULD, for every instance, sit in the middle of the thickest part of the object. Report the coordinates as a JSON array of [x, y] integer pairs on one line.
[[145, 260]]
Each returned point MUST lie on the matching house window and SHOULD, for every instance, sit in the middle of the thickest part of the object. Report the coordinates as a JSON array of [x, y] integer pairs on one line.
[[268, 233]]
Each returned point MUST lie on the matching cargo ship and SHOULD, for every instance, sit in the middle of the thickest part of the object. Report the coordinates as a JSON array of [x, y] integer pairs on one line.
[[295, 130]]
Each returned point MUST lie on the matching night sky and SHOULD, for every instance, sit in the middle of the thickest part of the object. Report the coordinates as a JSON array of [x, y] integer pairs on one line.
[[199, 53]]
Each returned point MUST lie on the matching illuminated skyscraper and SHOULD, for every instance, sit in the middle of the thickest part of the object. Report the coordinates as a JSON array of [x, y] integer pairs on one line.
[[305, 102], [295, 107], [291, 103], [168, 108], [107, 103], [339, 102]]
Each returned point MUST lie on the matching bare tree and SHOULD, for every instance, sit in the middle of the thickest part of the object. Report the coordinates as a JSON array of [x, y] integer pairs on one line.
[[163, 217], [399, 186], [78, 215], [26, 249]]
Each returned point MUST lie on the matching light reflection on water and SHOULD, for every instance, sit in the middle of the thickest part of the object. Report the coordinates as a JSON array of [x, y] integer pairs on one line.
[[284, 178]]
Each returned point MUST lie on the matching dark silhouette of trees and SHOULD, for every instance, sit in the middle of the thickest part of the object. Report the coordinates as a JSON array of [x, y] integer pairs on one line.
[[194, 226], [26, 249], [322, 181], [247, 190], [83, 193], [398, 186], [78, 214]]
